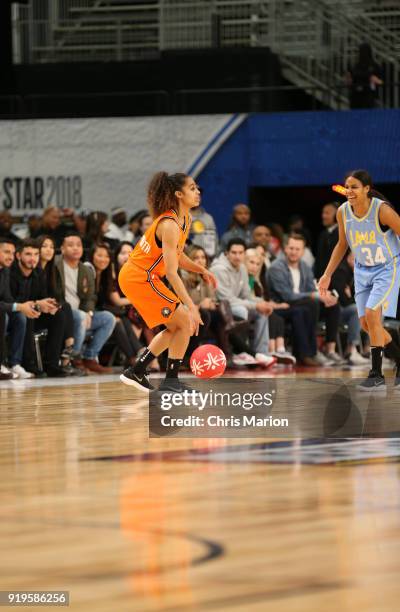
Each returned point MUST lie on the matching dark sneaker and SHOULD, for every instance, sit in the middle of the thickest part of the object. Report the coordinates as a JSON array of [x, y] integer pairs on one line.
[[374, 382], [142, 383], [175, 385]]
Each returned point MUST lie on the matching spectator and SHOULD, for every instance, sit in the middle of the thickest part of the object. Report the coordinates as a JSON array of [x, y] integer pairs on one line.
[[203, 232], [145, 220], [53, 289], [34, 222], [97, 225], [291, 280], [133, 226], [6, 222], [27, 284], [239, 227], [277, 238], [262, 236], [276, 347], [11, 313], [52, 224], [138, 325], [204, 297], [108, 298], [296, 226], [118, 228], [327, 239], [233, 285], [364, 79], [78, 289]]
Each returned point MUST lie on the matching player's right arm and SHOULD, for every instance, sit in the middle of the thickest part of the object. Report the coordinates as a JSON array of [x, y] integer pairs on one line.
[[168, 232], [337, 255]]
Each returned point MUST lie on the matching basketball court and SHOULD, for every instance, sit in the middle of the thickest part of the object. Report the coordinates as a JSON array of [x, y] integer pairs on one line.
[[126, 522]]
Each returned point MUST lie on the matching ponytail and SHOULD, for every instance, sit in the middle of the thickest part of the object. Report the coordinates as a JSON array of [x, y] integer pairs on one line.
[[161, 192], [365, 178]]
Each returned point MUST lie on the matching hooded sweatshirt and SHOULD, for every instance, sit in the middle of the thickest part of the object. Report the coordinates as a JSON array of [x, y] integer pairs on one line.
[[233, 283]]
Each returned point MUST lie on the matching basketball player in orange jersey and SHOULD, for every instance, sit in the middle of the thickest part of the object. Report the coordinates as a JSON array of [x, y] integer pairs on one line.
[[160, 253]]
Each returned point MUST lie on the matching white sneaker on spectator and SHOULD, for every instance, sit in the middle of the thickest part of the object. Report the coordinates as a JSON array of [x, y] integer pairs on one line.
[[265, 360], [21, 372], [336, 358], [355, 359], [284, 357], [5, 370], [322, 360], [244, 359]]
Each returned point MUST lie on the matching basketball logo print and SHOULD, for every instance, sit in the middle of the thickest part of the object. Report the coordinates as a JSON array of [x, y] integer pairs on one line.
[[208, 361], [166, 312]]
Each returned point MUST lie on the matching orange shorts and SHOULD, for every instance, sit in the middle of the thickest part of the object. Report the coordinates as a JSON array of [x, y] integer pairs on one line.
[[152, 299]]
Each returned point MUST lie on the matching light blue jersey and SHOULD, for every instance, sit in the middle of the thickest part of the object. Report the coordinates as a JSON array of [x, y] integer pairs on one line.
[[377, 265], [370, 245]]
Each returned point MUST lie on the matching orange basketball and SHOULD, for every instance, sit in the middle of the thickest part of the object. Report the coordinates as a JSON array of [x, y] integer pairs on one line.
[[208, 361]]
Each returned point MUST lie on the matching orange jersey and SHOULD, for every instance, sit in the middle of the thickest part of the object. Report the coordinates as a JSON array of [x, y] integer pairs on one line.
[[148, 254]]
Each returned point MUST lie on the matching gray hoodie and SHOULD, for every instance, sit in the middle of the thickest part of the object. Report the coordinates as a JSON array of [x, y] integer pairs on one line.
[[233, 284]]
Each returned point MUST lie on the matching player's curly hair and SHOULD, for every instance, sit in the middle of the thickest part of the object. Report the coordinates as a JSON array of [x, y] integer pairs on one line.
[[161, 192]]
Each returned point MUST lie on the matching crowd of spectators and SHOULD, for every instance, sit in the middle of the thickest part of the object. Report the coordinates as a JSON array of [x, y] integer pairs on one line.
[[59, 282]]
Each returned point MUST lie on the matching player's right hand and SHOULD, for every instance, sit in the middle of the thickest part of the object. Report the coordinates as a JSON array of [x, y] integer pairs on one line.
[[323, 284], [195, 321], [27, 308]]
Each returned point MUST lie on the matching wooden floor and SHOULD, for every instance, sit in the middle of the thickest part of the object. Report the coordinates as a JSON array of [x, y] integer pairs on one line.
[[91, 505]]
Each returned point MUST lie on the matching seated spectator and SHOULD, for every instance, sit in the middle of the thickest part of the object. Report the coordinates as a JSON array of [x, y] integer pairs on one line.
[[53, 289], [27, 284], [133, 226], [278, 238], [96, 229], [327, 239], [204, 297], [10, 309], [118, 227], [233, 285], [6, 222], [239, 227], [296, 226], [291, 280], [108, 299], [78, 289], [53, 226], [343, 283], [262, 236], [276, 347], [144, 222], [135, 320], [203, 231]]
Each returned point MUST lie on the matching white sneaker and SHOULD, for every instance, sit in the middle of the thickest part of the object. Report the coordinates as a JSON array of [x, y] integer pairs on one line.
[[336, 358], [21, 372], [5, 370], [356, 359], [244, 359], [284, 357], [265, 360], [322, 360]]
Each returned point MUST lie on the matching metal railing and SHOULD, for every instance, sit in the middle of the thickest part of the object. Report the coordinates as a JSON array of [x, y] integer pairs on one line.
[[316, 40], [180, 102]]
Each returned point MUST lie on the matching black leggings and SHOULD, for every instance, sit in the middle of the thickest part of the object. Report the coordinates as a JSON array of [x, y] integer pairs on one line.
[[125, 338]]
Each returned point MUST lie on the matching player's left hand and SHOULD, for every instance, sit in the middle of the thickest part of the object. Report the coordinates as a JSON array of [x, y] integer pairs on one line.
[[209, 279]]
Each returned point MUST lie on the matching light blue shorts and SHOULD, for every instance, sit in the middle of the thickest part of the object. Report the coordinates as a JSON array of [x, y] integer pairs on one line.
[[377, 286]]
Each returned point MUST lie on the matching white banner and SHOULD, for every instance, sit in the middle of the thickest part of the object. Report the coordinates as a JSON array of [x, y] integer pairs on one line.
[[96, 164]]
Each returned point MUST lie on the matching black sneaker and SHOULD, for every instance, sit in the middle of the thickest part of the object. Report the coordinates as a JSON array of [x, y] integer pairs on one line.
[[374, 382], [175, 385], [142, 383]]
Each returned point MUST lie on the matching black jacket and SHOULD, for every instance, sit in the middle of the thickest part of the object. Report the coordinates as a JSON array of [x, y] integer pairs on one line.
[[6, 299], [24, 288]]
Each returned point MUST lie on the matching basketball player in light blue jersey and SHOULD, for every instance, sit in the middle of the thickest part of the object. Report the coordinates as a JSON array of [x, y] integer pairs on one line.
[[370, 226]]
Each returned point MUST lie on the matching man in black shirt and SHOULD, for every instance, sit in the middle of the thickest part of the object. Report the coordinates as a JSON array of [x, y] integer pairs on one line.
[[12, 314], [27, 283]]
